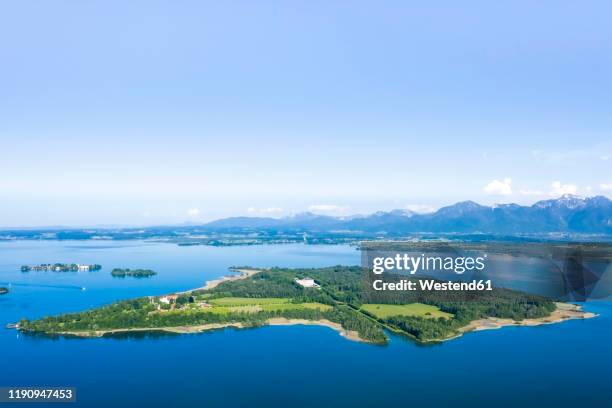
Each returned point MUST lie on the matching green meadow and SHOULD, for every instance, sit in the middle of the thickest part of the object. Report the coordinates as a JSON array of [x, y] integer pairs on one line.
[[254, 305], [383, 311], [244, 301]]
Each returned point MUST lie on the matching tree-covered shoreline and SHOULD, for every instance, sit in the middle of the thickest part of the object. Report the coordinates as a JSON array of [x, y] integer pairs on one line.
[[135, 273]]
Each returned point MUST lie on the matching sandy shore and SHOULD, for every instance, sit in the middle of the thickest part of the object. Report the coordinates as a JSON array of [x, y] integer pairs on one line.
[[175, 329], [278, 321], [564, 311], [243, 274], [348, 334]]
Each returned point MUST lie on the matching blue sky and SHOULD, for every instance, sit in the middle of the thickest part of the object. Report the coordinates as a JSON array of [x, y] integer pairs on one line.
[[162, 112]]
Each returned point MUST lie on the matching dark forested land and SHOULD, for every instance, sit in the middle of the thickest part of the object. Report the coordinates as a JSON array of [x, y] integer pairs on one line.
[[135, 273], [340, 298]]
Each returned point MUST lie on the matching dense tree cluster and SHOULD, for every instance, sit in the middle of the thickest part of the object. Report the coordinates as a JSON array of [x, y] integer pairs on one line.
[[135, 273]]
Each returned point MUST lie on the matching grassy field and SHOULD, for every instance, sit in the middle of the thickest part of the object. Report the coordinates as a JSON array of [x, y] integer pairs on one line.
[[288, 306], [413, 309], [253, 305], [239, 301]]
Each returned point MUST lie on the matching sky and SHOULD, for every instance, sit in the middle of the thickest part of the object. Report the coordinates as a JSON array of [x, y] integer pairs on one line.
[[151, 112]]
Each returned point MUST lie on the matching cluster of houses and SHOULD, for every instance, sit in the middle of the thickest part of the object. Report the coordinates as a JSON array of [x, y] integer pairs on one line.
[[168, 299], [171, 301], [59, 267]]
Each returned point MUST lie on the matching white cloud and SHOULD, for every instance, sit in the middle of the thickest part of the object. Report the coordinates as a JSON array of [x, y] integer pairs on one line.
[[605, 186], [556, 189], [265, 211], [420, 208], [499, 187], [193, 212], [605, 158], [328, 208], [559, 189]]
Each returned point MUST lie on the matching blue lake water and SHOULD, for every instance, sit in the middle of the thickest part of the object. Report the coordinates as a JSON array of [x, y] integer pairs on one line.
[[561, 365]]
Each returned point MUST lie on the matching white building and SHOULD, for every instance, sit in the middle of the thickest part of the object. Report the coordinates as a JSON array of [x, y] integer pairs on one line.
[[167, 299], [307, 283]]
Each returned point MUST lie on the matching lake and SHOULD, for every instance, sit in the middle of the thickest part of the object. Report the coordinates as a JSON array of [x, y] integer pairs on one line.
[[561, 365]]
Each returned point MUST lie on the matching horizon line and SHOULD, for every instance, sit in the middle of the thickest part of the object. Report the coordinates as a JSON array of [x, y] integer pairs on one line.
[[109, 226]]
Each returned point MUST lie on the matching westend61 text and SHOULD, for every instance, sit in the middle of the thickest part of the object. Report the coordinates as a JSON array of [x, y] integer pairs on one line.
[[430, 284]]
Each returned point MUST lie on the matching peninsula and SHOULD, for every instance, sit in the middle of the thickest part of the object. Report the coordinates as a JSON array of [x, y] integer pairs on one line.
[[331, 297]]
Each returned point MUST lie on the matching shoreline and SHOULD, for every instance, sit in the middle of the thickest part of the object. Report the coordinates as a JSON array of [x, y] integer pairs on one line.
[[244, 273], [276, 321], [169, 329], [347, 334], [563, 313]]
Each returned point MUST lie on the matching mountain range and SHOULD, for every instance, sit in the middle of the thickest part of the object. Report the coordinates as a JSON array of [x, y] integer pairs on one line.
[[567, 214]]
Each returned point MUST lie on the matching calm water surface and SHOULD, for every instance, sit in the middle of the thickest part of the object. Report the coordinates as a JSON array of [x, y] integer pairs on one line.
[[562, 365]]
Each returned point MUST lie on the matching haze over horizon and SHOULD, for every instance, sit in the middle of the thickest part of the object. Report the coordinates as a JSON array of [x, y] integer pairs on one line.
[[312, 210], [160, 114]]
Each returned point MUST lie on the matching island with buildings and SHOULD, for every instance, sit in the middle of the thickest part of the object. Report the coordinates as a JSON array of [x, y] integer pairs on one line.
[[134, 273], [332, 297], [60, 267]]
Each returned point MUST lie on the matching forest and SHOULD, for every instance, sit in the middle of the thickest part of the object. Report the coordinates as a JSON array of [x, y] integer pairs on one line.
[[135, 273]]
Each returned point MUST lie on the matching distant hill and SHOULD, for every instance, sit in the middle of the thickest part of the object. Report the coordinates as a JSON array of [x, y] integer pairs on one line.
[[567, 214], [567, 217]]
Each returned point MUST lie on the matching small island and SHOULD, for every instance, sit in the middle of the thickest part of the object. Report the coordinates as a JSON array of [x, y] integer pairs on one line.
[[3, 291], [134, 273], [61, 267], [331, 297]]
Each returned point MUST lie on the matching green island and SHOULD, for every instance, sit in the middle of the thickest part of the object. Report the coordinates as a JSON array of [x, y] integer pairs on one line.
[[332, 297], [61, 267], [135, 273], [3, 291]]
